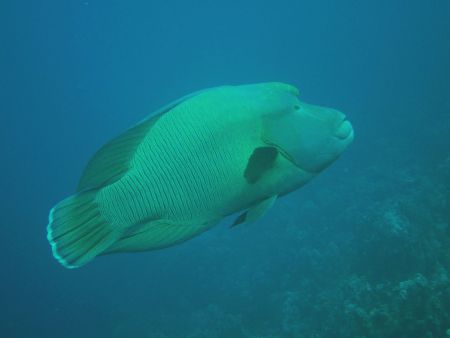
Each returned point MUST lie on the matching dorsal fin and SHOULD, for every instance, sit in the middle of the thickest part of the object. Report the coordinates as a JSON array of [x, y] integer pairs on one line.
[[112, 160]]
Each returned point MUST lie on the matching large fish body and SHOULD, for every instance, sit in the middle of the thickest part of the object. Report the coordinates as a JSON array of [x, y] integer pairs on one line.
[[201, 158]]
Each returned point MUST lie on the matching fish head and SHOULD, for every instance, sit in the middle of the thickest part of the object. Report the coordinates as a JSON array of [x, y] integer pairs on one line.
[[312, 137]]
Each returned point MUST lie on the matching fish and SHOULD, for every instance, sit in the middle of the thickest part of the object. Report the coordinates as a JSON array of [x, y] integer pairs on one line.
[[228, 150]]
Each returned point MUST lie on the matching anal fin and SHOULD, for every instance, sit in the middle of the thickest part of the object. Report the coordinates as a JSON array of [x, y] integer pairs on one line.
[[157, 234]]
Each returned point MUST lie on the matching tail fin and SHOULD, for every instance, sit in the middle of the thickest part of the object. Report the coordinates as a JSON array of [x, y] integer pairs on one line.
[[77, 231]]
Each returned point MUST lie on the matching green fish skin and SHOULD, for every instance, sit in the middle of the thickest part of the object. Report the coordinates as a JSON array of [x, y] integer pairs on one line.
[[199, 159]]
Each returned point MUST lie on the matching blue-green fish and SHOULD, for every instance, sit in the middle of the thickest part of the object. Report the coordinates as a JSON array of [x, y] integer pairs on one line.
[[199, 159]]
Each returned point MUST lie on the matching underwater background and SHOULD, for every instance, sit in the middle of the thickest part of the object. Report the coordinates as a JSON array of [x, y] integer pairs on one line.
[[361, 251]]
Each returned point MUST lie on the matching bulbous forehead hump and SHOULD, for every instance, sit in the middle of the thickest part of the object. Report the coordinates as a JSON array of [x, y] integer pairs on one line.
[[267, 98], [270, 89]]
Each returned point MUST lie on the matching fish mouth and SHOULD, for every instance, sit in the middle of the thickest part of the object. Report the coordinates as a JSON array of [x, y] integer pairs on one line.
[[344, 130]]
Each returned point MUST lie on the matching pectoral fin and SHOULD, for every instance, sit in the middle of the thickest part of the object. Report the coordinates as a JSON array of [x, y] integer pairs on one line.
[[255, 212], [261, 160]]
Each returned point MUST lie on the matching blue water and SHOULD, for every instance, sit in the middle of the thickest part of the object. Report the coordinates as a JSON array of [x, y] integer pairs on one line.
[[362, 251]]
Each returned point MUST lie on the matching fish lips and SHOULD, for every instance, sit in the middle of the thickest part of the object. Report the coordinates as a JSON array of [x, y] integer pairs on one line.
[[345, 131]]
